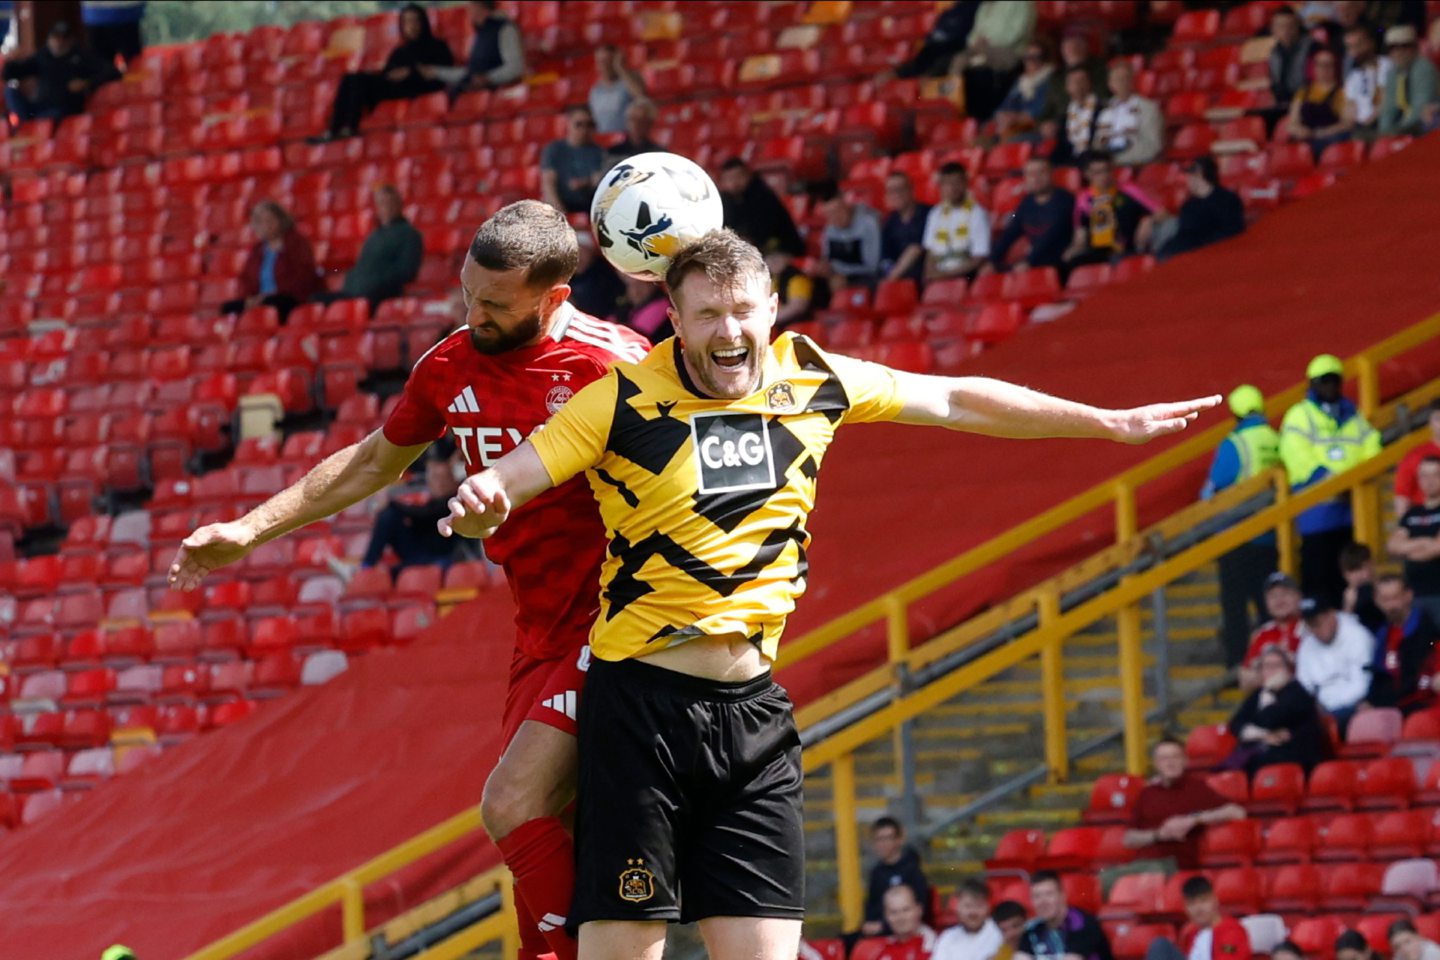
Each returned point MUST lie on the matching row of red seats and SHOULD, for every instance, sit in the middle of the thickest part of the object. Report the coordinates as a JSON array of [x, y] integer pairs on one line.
[[81, 770]]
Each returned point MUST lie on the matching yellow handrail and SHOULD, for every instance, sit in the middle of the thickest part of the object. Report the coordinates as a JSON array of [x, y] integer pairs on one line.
[[348, 891], [1117, 493], [1047, 640]]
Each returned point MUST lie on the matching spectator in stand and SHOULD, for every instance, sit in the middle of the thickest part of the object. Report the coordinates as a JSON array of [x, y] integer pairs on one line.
[[1170, 814], [1107, 216], [992, 51], [596, 288], [1289, 57], [570, 168], [639, 122], [644, 309], [1335, 659], [113, 28], [615, 88], [1210, 935], [1060, 930], [280, 271], [1081, 115], [1075, 52], [1366, 74], [1352, 945], [1407, 483], [497, 55], [1318, 113], [1210, 214], [408, 73], [1045, 218], [754, 211], [1011, 918], [1250, 449], [407, 524], [1130, 126], [896, 863], [909, 937], [1322, 435], [1405, 651], [957, 231], [1019, 114], [942, 44], [1342, 16], [1283, 629], [1357, 566], [1287, 950], [390, 257], [902, 235], [1279, 722], [1416, 539], [56, 80], [976, 936], [118, 952], [794, 287], [1407, 944], [850, 243], [1412, 92]]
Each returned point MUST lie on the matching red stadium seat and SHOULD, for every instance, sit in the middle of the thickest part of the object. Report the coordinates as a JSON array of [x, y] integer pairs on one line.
[[1422, 726], [1134, 895], [1351, 887], [1073, 848], [1332, 786], [1316, 936], [1386, 784], [1345, 837], [1111, 798], [1239, 889], [1294, 888], [1400, 834], [1017, 850], [894, 297], [1277, 788], [1371, 732], [1230, 844], [1033, 287], [1288, 840], [997, 322]]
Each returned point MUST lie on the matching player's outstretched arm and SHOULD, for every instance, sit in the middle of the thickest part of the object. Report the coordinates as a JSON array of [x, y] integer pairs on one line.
[[999, 409], [485, 500], [341, 479]]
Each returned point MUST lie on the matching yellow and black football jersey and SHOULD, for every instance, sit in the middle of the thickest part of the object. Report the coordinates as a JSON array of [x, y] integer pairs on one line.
[[705, 500]]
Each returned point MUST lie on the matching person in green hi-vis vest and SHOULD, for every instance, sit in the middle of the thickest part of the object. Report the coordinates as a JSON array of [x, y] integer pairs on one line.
[[1252, 448], [118, 952], [1322, 435]]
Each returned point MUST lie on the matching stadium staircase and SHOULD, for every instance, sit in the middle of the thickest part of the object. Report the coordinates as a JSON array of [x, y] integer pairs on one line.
[[993, 733]]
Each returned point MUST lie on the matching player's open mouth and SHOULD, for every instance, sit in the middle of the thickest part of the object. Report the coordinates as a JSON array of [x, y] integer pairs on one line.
[[732, 357]]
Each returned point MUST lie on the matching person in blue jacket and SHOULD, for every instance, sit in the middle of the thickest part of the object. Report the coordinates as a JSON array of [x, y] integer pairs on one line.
[[1251, 449]]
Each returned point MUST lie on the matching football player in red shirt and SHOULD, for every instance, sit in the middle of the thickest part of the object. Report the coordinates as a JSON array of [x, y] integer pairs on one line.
[[523, 352]]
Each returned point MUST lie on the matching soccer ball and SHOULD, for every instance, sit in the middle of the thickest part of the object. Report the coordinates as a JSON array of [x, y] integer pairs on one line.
[[648, 207]]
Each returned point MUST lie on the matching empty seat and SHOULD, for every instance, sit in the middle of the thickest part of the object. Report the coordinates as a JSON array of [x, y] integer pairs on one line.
[[88, 768], [1229, 844], [1400, 834], [1018, 850], [1288, 840], [1386, 784], [322, 666], [1371, 732], [1277, 789], [1345, 837], [1073, 848]]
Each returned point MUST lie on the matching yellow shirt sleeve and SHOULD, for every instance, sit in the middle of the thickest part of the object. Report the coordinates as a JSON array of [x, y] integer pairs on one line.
[[800, 287], [574, 439], [872, 390]]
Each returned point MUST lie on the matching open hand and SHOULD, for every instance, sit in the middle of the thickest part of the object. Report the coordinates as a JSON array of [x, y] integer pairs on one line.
[[1143, 424], [477, 509], [209, 548]]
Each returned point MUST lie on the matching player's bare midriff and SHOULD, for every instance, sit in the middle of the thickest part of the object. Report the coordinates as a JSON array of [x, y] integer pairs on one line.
[[727, 658]]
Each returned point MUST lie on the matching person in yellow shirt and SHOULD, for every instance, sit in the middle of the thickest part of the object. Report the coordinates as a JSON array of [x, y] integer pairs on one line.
[[703, 459]]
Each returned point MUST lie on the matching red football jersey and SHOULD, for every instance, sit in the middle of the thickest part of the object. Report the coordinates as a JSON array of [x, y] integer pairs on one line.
[[552, 547]]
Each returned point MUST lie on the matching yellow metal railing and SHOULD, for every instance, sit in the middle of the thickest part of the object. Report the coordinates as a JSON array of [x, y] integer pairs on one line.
[[1117, 495], [1046, 641], [348, 893]]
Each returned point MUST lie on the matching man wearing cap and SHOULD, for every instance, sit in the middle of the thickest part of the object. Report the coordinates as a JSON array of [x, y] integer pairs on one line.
[[1411, 103], [1322, 435], [1283, 629], [64, 76], [1251, 449], [1335, 658]]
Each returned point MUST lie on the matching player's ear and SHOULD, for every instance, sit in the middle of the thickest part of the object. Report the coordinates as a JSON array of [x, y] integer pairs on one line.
[[774, 308], [555, 296]]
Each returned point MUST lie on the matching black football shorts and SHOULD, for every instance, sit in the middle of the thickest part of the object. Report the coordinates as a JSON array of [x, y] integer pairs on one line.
[[689, 802]]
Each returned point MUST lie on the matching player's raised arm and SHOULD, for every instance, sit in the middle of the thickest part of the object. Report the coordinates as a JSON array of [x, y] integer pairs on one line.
[[345, 477], [999, 409]]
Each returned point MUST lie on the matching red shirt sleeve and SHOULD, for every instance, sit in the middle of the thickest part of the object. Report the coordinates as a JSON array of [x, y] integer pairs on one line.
[[1231, 942], [415, 419], [1140, 818], [1405, 484]]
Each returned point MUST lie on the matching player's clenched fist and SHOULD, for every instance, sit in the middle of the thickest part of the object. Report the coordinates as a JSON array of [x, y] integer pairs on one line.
[[477, 509], [207, 549]]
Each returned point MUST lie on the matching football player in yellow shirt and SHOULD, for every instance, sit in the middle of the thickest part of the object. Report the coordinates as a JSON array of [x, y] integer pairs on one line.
[[703, 458]]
